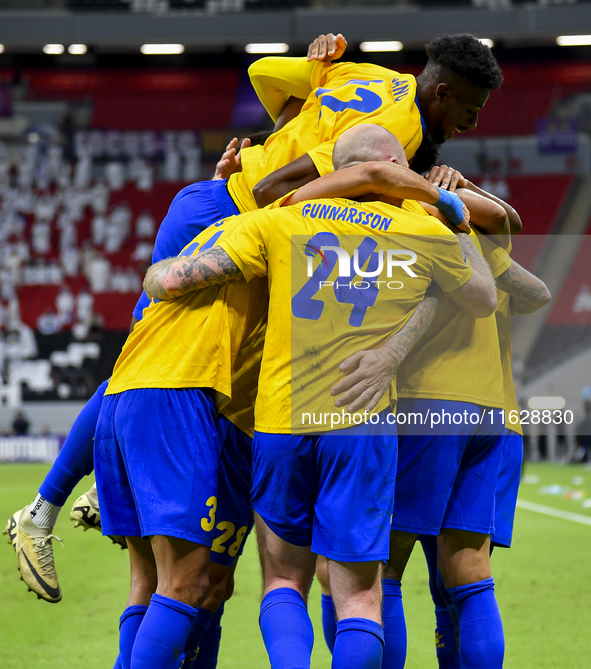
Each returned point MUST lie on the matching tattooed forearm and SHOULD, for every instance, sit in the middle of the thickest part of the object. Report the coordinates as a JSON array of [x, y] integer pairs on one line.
[[171, 278], [399, 345], [528, 293]]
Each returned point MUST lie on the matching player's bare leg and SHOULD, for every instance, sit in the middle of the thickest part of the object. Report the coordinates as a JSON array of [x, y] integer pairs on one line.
[[143, 584], [284, 621], [284, 565], [464, 557], [357, 589], [144, 577], [329, 613], [183, 569], [395, 642], [464, 562]]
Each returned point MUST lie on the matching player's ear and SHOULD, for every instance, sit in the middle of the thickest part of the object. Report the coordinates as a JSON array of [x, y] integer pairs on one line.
[[442, 91]]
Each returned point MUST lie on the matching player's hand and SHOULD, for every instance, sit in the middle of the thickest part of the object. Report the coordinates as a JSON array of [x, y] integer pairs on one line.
[[369, 375], [446, 177], [465, 224], [327, 48], [230, 162]]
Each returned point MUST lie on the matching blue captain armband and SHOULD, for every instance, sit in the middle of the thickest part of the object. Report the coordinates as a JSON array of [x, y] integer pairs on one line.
[[450, 205]]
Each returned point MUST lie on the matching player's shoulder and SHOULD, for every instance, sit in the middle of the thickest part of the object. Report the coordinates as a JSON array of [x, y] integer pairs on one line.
[[364, 71]]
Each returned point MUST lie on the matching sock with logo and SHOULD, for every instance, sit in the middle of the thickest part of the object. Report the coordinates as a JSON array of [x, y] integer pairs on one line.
[[209, 648], [287, 629], [446, 647], [359, 644], [200, 624], [129, 624], [161, 638], [43, 513], [394, 625], [452, 609], [75, 459], [482, 640], [329, 621]]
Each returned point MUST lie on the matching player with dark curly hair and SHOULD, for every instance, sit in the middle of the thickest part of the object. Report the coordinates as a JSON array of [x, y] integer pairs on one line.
[[444, 99]]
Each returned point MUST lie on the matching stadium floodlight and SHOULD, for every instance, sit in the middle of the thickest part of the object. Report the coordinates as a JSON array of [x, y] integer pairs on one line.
[[486, 41], [77, 49], [53, 49], [161, 49], [547, 402], [381, 46], [1, 48], [271, 47], [573, 40]]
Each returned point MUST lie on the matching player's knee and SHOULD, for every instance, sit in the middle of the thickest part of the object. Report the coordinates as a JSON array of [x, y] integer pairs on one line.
[[189, 590], [143, 586], [401, 547]]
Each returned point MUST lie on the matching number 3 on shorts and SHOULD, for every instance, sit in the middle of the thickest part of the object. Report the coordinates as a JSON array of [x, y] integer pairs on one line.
[[208, 524]]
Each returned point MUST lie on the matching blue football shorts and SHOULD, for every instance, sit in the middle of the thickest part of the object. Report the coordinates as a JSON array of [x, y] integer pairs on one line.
[[333, 492], [193, 209], [232, 518], [446, 476], [157, 454], [507, 488]]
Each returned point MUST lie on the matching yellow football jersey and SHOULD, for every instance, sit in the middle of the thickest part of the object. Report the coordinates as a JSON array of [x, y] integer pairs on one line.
[[344, 95], [343, 276], [194, 341], [458, 358]]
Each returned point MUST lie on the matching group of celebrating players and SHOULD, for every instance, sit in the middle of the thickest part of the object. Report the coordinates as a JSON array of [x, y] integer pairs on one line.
[[322, 350]]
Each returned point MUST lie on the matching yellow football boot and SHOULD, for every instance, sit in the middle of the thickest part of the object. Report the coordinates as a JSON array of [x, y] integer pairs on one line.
[[34, 550], [86, 513]]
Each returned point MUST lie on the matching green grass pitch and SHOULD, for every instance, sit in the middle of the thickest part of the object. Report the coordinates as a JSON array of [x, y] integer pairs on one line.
[[543, 588]]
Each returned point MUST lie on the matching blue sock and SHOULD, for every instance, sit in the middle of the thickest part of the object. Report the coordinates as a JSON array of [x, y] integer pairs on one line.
[[129, 624], [287, 629], [446, 640], [446, 647], [161, 639], [394, 625], [329, 621], [75, 459], [200, 624], [452, 610], [117, 663], [359, 644], [482, 641], [207, 658]]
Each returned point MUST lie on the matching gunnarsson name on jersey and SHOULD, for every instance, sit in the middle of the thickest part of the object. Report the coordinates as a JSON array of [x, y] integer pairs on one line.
[[349, 214]]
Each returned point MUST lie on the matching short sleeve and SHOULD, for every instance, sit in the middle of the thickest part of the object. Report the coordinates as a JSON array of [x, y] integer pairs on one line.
[[246, 243], [450, 271], [497, 258], [322, 157]]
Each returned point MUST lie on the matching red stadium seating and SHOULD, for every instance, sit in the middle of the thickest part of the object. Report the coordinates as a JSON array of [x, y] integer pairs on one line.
[[115, 308], [538, 215], [144, 100]]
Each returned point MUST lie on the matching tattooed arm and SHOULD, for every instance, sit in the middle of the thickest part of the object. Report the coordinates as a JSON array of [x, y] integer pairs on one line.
[[370, 372], [528, 293], [173, 277]]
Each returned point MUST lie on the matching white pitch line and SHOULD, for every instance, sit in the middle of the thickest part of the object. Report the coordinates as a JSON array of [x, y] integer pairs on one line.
[[549, 511]]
